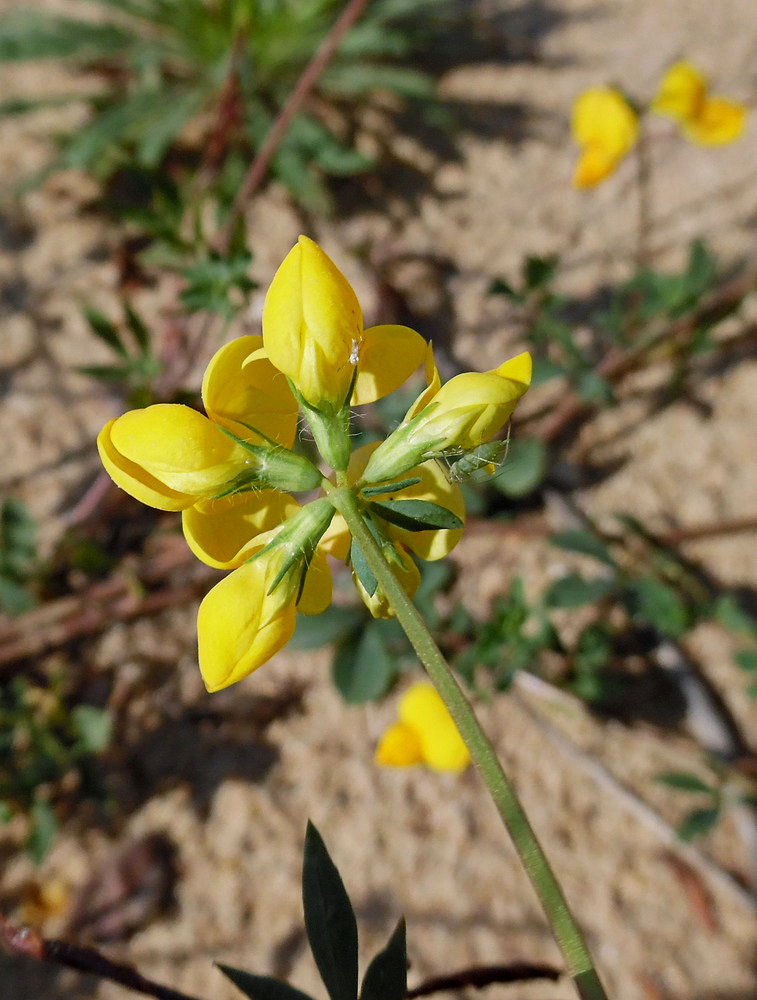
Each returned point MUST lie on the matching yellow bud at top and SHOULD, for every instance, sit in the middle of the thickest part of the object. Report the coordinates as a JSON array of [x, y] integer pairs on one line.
[[313, 325]]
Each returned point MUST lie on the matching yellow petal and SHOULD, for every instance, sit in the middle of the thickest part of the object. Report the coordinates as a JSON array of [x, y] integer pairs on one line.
[[240, 626], [387, 357], [518, 369], [433, 384], [337, 539], [682, 92], [316, 592], [602, 117], [399, 747], [313, 325], [135, 480], [442, 748], [179, 448], [241, 387], [720, 121], [594, 164], [225, 532]]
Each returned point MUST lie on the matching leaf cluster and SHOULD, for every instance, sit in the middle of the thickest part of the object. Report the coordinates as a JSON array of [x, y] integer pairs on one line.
[[18, 557], [46, 744], [210, 78], [570, 336], [331, 930]]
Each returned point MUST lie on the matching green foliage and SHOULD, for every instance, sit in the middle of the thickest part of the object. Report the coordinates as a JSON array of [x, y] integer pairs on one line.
[[570, 336], [225, 68], [136, 366], [218, 284], [42, 742], [18, 557], [332, 934]]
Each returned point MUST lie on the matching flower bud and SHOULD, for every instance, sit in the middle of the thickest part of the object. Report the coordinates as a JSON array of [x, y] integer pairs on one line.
[[465, 412]]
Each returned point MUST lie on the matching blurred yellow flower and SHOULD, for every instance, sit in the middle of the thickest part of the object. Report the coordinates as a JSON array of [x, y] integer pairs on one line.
[[424, 734], [606, 128], [684, 97]]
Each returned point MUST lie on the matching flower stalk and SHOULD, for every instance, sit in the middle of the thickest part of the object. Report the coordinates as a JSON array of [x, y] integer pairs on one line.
[[564, 926]]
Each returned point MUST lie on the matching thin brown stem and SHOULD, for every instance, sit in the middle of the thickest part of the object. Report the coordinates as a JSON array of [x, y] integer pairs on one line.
[[302, 88], [26, 941]]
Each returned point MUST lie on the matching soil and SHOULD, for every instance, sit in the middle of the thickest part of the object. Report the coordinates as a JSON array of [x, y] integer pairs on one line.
[[229, 780]]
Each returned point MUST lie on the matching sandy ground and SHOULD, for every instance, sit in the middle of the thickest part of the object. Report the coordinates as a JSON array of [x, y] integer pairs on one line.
[[234, 800]]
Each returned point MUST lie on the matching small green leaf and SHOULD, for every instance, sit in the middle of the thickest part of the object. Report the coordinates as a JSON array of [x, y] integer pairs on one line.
[[42, 833], [573, 591], [335, 623], [656, 603], [93, 726], [585, 542], [501, 287], [732, 615], [139, 331], [698, 823], [329, 919], [261, 987], [684, 781], [747, 660], [524, 469], [362, 570], [364, 667], [416, 515], [386, 976], [538, 271]]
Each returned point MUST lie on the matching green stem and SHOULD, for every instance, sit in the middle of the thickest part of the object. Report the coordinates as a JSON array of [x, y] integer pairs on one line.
[[564, 926]]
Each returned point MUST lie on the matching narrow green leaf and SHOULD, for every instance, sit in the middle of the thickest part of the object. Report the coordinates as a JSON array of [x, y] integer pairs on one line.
[[362, 570], [261, 987], [698, 823], [364, 668], [402, 484], [329, 919], [501, 287], [139, 331], [416, 515], [386, 976], [684, 781], [106, 331], [44, 826], [585, 542]]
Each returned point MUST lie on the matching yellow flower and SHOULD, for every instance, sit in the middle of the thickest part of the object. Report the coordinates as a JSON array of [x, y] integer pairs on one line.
[[684, 97], [606, 128], [425, 734], [313, 332], [170, 456], [245, 619], [452, 418]]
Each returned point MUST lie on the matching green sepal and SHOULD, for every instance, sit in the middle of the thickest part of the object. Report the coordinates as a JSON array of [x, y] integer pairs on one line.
[[261, 987], [330, 429], [329, 919], [300, 535], [274, 467], [402, 484], [416, 515], [386, 976]]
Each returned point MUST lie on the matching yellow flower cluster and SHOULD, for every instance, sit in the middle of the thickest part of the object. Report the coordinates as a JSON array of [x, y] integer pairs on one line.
[[605, 124], [233, 471]]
